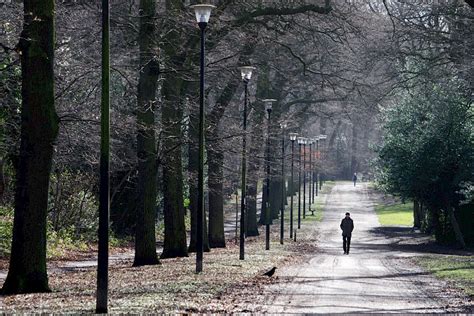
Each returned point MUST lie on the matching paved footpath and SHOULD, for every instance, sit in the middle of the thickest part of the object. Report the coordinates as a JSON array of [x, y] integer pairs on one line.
[[372, 279]]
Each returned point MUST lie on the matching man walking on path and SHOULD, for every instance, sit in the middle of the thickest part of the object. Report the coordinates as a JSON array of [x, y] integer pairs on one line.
[[347, 226], [354, 178]]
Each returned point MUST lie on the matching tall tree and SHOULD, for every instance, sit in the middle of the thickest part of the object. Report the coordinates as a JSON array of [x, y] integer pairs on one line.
[[193, 164], [145, 239], [39, 128], [255, 166], [216, 163], [171, 117]]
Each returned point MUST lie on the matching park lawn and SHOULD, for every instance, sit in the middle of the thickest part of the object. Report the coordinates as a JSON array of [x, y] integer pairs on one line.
[[459, 270], [399, 214], [227, 285], [317, 206]]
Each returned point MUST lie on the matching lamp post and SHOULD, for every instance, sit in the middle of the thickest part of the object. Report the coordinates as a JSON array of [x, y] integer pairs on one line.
[[283, 195], [268, 108], [316, 169], [310, 174], [300, 143], [246, 73], [104, 180], [292, 138], [305, 142], [203, 13], [320, 137]]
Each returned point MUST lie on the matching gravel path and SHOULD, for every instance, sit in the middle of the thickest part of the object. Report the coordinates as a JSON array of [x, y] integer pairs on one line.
[[372, 279]]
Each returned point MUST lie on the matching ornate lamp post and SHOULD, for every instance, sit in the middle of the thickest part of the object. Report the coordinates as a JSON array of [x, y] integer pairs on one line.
[[268, 219], [283, 195], [292, 138], [300, 143], [246, 73], [203, 13]]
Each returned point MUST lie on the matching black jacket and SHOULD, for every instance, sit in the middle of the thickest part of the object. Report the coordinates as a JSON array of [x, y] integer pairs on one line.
[[347, 226]]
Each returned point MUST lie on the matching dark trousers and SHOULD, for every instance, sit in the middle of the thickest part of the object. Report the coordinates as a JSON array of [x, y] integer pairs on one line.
[[346, 243]]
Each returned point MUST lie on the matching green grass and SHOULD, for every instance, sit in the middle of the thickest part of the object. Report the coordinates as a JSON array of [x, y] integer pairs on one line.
[[395, 214], [318, 214], [318, 205], [457, 269]]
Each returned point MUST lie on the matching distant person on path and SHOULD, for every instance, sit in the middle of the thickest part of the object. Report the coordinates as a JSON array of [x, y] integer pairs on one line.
[[347, 226], [354, 178]]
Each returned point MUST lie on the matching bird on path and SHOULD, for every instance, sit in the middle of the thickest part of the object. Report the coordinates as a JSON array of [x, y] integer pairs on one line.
[[271, 272]]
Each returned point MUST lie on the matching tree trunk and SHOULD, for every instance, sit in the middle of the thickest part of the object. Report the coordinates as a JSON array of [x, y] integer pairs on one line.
[[416, 214], [354, 162], [456, 228], [215, 162], [2, 180], [252, 227], [275, 197], [171, 115], [39, 128], [263, 219], [254, 167], [193, 163], [145, 238], [216, 165]]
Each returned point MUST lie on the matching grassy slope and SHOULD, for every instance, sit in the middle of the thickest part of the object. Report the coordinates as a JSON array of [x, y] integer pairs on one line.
[[398, 214], [457, 269]]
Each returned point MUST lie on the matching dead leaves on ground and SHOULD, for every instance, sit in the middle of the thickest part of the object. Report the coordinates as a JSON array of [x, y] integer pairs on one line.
[[226, 285]]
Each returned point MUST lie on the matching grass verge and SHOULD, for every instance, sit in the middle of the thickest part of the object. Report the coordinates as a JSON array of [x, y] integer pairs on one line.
[[398, 214], [459, 270], [318, 205]]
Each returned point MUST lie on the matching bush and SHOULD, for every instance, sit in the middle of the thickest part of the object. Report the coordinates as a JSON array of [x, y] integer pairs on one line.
[[6, 229], [73, 206]]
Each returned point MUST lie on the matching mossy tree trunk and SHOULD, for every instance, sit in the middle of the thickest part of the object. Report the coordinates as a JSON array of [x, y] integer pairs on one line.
[[145, 237], [39, 127]]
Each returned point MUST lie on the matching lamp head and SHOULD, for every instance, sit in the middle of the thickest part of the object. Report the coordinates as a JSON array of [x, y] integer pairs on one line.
[[300, 140], [246, 72], [322, 137], [293, 136], [203, 12], [268, 104]]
